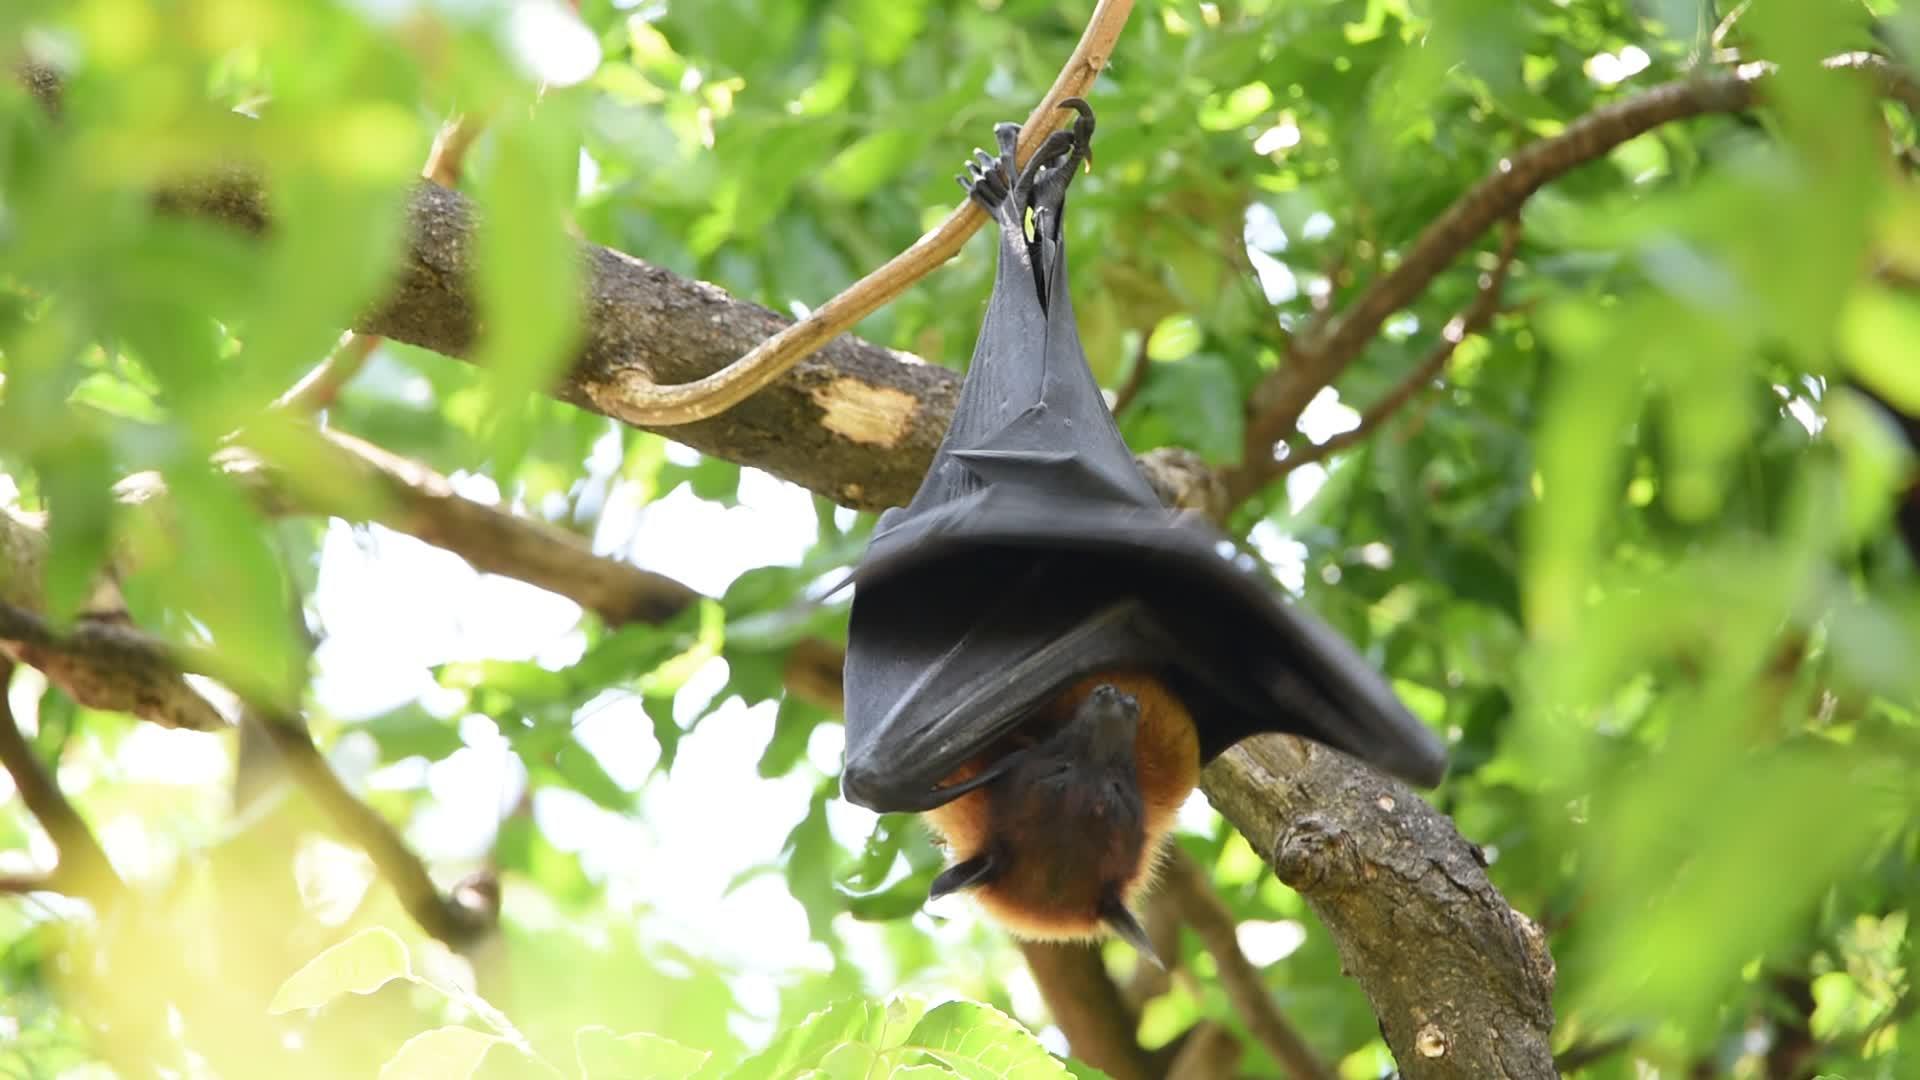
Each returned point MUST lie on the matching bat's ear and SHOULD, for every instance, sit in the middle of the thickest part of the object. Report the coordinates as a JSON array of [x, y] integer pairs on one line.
[[978, 870], [1114, 913]]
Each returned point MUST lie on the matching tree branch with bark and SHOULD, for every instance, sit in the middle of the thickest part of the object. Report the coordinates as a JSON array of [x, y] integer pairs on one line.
[[1461, 982]]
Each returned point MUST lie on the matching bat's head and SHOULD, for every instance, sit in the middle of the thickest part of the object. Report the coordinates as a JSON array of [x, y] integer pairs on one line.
[[1053, 847], [1100, 738]]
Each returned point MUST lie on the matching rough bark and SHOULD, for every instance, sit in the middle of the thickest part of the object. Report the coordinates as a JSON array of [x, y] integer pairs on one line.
[[854, 422], [1461, 982]]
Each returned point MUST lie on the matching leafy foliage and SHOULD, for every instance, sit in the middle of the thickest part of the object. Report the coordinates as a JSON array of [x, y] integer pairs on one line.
[[1634, 557]]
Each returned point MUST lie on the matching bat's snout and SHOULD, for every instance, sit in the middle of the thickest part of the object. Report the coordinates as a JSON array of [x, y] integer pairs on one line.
[[1109, 722]]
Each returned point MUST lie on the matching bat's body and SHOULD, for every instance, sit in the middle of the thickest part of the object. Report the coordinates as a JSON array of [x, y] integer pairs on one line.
[[1040, 654], [1067, 831]]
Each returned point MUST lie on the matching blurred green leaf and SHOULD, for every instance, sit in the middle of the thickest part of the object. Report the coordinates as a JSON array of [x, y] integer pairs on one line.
[[361, 964], [442, 1053], [602, 1055]]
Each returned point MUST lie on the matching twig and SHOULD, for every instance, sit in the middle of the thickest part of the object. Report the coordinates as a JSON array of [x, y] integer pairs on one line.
[[1317, 358], [1136, 376], [1580, 1055], [448, 158], [456, 921], [1470, 321], [83, 868], [320, 388], [638, 400], [1207, 1051], [22, 884], [1087, 1006], [457, 918], [1200, 907]]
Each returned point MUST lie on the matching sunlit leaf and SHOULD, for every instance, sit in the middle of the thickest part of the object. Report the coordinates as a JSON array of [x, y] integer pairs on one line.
[[604, 1055], [980, 1042], [441, 1054], [361, 964]]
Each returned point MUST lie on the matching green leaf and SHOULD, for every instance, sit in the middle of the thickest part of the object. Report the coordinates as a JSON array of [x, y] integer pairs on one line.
[[77, 480], [526, 682], [1198, 399], [602, 1055], [584, 774], [410, 731], [527, 268], [524, 848], [872, 160], [791, 731], [448, 1053], [802, 1046], [711, 478], [979, 1042], [1879, 330], [361, 964]]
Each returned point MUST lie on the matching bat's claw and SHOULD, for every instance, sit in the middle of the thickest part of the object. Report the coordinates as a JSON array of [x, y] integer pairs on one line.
[[1042, 185], [987, 180]]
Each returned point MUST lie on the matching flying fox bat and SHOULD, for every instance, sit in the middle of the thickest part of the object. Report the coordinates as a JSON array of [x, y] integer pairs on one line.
[[1040, 655]]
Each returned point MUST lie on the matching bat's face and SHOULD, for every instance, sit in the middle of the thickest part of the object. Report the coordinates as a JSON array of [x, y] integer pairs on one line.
[[1058, 844]]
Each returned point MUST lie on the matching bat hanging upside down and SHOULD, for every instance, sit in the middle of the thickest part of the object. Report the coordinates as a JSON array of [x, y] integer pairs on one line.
[[1040, 655]]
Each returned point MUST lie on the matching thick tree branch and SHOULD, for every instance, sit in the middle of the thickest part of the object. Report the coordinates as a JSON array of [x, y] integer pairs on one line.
[[319, 388], [83, 868], [99, 661], [859, 423], [415, 500], [1462, 983], [1200, 907]]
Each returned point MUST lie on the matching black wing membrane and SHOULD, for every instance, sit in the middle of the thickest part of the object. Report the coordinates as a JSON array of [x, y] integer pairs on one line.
[[1035, 553]]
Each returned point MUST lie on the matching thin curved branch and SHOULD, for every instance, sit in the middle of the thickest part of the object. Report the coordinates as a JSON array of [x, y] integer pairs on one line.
[[1199, 906], [457, 917], [1088, 1007], [1316, 359], [320, 387], [634, 398], [83, 868], [1469, 321], [1136, 376], [1207, 1051]]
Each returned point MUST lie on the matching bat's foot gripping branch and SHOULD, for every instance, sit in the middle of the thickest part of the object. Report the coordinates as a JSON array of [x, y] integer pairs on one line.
[[1009, 193]]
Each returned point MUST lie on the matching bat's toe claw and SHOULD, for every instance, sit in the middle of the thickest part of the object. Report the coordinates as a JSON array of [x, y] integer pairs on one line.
[[984, 181]]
